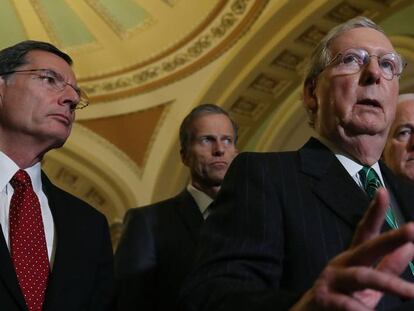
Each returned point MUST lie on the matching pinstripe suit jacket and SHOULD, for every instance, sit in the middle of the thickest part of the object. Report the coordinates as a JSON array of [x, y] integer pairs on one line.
[[156, 252], [277, 221]]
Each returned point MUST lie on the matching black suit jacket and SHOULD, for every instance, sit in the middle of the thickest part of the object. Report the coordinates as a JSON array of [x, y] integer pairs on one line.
[[277, 221], [82, 273], [155, 253]]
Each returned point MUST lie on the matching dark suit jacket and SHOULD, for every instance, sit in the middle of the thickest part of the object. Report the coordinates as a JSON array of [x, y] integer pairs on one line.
[[82, 273], [156, 252], [277, 221]]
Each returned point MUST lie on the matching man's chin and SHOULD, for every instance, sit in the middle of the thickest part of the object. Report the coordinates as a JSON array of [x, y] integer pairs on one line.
[[214, 181]]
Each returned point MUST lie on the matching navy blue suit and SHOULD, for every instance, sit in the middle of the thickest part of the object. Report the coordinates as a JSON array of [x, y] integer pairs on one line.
[[277, 221], [82, 273], [155, 253]]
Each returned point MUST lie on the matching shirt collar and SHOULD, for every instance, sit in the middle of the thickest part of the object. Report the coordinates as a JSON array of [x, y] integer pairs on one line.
[[202, 199], [347, 162], [8, 168]]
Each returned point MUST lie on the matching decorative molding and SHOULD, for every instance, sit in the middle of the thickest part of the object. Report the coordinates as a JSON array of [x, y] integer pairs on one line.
[[312, 36], [281, 77], [288, 60], [79, 185], [113, 149], [224, 31], [160, 123], [113, 24], [343, 12], [45, 20]]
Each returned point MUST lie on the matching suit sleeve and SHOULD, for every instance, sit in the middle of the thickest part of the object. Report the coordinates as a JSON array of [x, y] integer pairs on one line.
[[135, 263], [241, 249]]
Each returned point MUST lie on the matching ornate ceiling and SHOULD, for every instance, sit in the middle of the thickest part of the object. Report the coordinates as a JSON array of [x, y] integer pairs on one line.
[[146, 63]]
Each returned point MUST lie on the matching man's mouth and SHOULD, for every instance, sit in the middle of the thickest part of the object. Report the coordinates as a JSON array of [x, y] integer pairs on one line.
[[219, 164], [369, 103], [62, 117]]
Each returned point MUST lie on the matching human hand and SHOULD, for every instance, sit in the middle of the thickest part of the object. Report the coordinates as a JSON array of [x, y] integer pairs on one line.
[[357, 278]]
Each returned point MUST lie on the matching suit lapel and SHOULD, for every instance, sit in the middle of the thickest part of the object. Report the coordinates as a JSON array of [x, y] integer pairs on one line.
[[64, 247], [8, 275], [332, 183], [189, 212], [403, 192]]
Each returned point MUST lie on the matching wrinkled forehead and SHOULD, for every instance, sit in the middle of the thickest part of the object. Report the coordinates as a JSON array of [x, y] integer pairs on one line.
[[372, 40], [38, 59], [405, 112]]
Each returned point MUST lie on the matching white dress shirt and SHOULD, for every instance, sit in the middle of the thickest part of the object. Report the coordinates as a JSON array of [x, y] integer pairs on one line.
[[8, 168], [349, 164], [202, 200]]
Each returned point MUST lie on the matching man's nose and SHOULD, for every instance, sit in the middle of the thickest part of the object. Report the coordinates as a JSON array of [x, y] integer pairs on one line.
[[218, 148], [371, 72], [69, 97]]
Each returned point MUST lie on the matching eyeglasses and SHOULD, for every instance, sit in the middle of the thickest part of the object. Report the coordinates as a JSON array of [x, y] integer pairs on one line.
[[353, 60], [54, 81]]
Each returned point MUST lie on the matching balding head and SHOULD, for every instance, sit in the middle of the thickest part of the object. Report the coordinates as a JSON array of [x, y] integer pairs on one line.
[[399, 150]]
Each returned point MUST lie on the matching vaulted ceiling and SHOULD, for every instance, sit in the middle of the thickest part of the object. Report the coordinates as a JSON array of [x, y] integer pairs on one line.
[[146, 63]]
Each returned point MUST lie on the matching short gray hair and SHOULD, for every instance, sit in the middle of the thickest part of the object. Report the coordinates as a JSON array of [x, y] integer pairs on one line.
[[199, 111], [321, 56]]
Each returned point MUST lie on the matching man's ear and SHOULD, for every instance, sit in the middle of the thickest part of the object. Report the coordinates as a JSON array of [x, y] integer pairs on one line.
[[2, 88], [309, 97]]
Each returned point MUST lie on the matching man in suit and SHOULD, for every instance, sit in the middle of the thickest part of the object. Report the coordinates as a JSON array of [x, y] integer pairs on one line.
[[55, 250], [156, 250], [399, 149], [283, 232]]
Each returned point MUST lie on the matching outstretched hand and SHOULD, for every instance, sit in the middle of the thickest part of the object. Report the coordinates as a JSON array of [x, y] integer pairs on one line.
[[357, 278]]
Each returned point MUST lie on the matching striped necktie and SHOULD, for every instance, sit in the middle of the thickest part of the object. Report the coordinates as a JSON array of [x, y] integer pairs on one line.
[[371, 182]]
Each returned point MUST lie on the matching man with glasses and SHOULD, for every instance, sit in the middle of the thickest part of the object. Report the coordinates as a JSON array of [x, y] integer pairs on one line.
[[55, 250], [302, 230], [399, 150]]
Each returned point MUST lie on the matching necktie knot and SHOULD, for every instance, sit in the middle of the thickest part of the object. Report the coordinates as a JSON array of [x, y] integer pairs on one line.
[[20, 180]]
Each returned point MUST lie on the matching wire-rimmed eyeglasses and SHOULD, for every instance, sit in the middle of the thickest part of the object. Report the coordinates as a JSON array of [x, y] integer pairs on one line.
[[353, 60], [54, 81]]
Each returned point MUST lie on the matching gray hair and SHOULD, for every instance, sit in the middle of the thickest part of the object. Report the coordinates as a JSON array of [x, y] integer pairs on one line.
[[15, 56], [321, 56], [199, 111]]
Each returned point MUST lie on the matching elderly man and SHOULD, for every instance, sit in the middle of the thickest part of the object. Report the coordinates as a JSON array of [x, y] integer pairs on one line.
[[55, 250], [156, 250], [283, 230], [399, 149]]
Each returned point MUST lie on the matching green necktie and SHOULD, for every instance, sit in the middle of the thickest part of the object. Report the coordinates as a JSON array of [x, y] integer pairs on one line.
[[371, 182]]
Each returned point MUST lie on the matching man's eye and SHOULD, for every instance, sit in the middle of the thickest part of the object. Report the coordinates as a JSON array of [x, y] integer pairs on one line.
[[349, 59], [228, 141], [205, 139], [49, 79], [388, 65], [404, 134]]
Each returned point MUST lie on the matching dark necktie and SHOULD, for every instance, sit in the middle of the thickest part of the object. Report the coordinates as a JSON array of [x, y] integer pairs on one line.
[[371, 182], [27, 241]]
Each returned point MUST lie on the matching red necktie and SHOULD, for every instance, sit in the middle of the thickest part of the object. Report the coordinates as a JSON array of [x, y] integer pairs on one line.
[[27, 241]]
